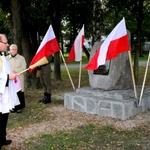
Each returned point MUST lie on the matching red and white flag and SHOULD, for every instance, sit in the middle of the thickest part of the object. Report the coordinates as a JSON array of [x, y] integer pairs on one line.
[[48, 46], [76, 50], [116, 43]]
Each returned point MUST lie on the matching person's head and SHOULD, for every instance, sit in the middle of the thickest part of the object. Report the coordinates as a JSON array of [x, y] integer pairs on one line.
[[3, 43], [13, 49]]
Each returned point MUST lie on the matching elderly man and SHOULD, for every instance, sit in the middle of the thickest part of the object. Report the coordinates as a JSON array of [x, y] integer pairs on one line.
[[8, 95], [18, 64]]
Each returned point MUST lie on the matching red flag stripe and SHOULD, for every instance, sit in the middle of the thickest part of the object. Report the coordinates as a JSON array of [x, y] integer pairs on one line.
[[53, 48], [71, 56], [93, 62], [76, 49], [117, 46], [116, 43], [48, 46]]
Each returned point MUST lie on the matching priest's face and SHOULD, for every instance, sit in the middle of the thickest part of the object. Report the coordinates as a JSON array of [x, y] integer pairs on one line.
[[3, 43]]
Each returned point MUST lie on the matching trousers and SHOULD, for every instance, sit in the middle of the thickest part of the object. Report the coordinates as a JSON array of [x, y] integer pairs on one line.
[[3, 125], [21, 99], [46, 78]]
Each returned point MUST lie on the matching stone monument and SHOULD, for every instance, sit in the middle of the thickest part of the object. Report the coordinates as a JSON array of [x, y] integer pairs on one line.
[[115, 75], [110, 92]]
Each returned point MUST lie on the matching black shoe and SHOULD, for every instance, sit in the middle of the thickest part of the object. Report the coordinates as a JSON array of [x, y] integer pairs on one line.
[[47, 98], [18, 111], [47, 101], [41, 100], [7, 142]]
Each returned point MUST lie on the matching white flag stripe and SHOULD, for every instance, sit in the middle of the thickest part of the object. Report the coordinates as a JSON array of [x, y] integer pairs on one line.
[[49, 36], [117, 32], [78, 45]]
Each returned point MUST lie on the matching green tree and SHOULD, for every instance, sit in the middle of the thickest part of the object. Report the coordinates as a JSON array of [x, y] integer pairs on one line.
[[23, 20], [27, 18], [135, 13]]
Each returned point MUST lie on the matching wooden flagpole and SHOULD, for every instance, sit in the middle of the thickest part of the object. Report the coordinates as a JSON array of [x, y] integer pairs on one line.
[[133, 79], [80, 73], [23, 71], [64, 64], [144, 79], [42, 61], [67, 69]]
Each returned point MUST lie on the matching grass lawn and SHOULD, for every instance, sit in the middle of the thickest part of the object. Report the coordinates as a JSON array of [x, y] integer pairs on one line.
[[143, 58], [89, 137]]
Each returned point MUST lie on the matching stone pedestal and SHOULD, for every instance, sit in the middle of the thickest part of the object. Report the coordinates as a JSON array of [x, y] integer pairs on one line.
[[119, 104], [111, 93]]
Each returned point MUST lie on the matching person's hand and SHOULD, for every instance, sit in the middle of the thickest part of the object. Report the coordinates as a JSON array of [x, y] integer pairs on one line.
[[32, 66], [14, 71], [38, 73], [12, 76]]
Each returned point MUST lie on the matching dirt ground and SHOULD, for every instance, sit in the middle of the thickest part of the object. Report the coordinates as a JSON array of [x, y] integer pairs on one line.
[[68, 119], [61, 118]]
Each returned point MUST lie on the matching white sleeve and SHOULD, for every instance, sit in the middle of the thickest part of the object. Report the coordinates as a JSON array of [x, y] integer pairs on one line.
[[3, 80]]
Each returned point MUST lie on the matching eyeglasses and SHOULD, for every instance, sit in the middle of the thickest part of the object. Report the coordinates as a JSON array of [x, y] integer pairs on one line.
[[4, 42]]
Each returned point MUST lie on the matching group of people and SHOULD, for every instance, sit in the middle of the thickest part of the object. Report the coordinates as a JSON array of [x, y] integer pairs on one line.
[[12, 99]]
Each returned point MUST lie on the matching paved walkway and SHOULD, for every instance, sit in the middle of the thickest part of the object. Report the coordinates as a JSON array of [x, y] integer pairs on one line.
[[141, 63]]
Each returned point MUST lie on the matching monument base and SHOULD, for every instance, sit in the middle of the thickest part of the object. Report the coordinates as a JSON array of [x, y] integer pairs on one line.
[[119, 104]]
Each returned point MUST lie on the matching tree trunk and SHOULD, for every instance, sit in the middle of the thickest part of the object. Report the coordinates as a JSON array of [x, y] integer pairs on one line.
[[21, 38], [96, 21], [56, 21], [138, 41], [16, 23]]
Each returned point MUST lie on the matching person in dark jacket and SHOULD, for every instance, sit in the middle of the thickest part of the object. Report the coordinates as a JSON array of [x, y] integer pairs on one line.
[[44, 72]]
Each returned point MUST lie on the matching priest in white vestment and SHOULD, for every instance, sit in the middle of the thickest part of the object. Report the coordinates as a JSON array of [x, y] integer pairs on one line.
[[8, 94]]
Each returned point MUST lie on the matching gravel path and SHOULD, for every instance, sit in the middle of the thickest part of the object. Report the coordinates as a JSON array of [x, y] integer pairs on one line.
[[65, 119]]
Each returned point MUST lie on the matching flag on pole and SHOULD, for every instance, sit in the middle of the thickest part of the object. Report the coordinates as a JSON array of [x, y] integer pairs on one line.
[[116, 43], [48, 46], [76, 50]]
